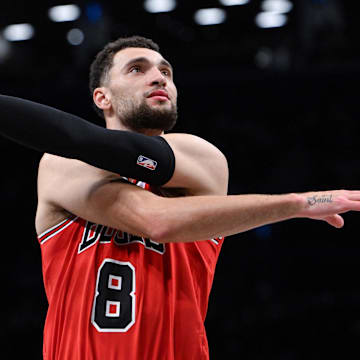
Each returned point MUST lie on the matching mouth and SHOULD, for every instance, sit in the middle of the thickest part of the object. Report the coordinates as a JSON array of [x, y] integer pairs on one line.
[[159, 95]]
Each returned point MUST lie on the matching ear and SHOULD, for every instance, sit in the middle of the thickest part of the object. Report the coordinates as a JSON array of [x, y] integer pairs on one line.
[[101, 98]]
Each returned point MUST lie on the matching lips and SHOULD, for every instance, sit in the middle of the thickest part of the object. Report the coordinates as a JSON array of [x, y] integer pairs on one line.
[[159, 93]]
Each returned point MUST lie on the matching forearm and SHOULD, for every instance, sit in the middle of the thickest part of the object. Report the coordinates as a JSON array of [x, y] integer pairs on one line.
[[50, 130], [206, 217]]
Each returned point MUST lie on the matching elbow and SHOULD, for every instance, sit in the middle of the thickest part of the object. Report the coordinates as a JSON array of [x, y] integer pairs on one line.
[[158, 221], [168, 231], [160, 230]]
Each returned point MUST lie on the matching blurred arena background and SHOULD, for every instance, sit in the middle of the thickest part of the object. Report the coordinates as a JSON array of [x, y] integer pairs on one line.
[[272, 83]]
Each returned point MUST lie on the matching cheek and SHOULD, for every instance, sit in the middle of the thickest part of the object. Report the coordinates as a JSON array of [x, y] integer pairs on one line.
[[117, 92], [173, 92], [126, 93]]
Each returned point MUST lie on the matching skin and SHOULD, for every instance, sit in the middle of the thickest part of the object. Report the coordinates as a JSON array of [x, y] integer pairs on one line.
[[135, 81], [98, 195]]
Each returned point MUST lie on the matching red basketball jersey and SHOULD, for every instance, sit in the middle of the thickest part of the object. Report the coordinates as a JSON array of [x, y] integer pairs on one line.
[[117, 296]]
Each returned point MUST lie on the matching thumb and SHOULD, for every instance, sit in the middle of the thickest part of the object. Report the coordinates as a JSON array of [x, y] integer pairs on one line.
[[335, 220]]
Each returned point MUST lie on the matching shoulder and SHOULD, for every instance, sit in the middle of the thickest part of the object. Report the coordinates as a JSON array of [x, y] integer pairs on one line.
[[47, 213], [61, 179], [200, 165], [196, 145], [53, 168], [58, 165], [56, 172]]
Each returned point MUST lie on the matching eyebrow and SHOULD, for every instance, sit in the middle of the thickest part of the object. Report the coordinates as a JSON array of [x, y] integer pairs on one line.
[[143, 59]]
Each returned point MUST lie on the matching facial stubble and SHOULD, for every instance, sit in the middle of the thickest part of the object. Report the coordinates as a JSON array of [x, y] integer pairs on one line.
[[140, 117]]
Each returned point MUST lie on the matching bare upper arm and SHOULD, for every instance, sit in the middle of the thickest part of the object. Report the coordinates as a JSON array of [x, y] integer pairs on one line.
[[71, 186], [200, 167]]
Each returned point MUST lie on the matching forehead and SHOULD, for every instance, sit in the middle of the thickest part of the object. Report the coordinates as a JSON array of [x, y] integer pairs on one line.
[[123, 56]]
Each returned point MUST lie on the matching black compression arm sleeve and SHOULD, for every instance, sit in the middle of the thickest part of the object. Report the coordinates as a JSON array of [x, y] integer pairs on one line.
[[46, 129]]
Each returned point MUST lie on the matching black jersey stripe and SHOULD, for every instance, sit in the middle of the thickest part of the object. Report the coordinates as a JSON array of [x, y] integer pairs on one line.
[[49, 233]]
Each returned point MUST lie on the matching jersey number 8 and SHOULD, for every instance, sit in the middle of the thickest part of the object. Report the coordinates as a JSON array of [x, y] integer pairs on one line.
[[114, 301]]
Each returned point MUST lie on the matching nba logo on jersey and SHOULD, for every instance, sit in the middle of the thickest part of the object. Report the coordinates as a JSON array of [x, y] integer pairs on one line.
[[146, 162]]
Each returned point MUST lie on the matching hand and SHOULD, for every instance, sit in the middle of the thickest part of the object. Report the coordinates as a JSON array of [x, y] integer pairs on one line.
[[328, 205]]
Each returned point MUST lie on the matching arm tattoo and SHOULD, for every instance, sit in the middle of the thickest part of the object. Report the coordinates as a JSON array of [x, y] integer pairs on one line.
[[312, 200]]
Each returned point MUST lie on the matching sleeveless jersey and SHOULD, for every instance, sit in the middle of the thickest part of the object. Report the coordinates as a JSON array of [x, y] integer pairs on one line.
[[118, 296]]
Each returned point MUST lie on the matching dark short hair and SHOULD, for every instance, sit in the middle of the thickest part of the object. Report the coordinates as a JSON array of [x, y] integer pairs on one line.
[[103, 61]]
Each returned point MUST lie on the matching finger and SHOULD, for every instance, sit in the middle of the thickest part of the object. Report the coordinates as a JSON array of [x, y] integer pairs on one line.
[[350, 204], [354, 196], [356, 192], [335, 220]]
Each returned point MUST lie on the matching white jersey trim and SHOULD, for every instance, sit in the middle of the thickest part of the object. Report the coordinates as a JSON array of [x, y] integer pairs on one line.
[[58, 225]]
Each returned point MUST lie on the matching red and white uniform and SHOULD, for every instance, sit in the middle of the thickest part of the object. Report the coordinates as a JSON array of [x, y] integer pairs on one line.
[[116, 296]]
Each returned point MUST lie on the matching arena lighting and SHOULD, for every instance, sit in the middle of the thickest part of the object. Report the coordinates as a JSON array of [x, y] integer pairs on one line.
[[212, 16], [75, 37], [158, 6], [277, 6], [64, 13], [18, 32], [270, 20], [233, 2]]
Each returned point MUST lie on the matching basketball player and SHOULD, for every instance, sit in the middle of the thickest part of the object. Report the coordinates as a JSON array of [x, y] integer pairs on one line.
[[128, 266]]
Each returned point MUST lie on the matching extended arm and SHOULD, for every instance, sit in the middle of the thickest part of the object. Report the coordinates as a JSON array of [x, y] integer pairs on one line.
[[204, 217], [50, 130], [53, 131], [101, 198]]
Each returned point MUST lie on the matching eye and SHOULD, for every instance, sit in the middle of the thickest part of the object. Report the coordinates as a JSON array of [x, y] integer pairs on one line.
[[166, 72], [135, 69]]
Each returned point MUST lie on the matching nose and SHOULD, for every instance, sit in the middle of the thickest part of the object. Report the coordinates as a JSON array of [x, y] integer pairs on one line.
[[157, 78]]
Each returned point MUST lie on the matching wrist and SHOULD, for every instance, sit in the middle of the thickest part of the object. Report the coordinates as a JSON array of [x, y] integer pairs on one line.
[[299, 204]]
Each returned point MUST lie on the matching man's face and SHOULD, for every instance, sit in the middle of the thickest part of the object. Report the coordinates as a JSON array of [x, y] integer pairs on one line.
[[143, 93]]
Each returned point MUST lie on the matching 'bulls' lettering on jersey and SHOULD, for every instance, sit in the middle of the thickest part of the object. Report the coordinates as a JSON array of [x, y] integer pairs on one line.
[[94, 232], [90, 236]]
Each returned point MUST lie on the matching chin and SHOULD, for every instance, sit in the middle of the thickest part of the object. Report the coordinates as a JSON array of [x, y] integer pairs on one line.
[[161, 104]]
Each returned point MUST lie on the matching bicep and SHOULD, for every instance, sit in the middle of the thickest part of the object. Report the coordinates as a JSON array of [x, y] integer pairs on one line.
[[92, 194], [200, 167]]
